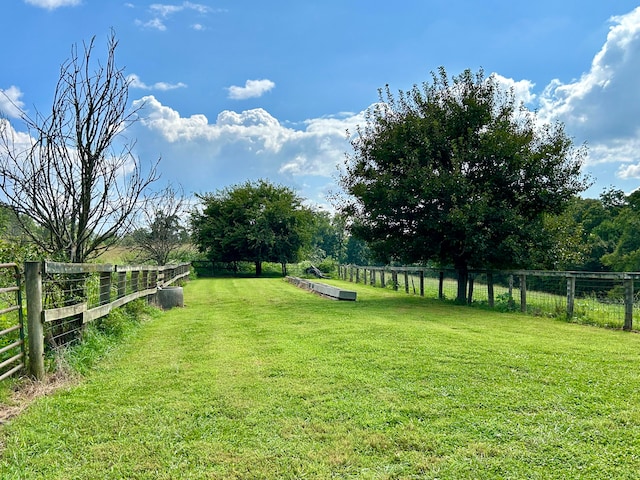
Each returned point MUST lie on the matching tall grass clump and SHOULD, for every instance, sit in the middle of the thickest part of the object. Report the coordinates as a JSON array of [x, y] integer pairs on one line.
[[101, 336]]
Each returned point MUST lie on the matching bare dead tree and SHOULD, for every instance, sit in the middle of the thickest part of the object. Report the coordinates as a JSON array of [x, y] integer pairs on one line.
[[161, 234], [76, 175]]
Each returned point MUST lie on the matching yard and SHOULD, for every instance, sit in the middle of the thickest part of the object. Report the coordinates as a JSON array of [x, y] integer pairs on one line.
[[256, 378]]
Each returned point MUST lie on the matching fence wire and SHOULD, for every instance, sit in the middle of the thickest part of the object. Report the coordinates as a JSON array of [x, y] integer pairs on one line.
[[598, 299], [93, 289], [65, 290]]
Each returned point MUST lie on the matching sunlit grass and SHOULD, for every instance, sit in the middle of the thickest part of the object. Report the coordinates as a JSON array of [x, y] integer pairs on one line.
[[588, 309], [255, 378]]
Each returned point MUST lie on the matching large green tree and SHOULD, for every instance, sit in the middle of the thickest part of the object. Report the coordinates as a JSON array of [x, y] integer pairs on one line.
[[456, 171], [255, 222]]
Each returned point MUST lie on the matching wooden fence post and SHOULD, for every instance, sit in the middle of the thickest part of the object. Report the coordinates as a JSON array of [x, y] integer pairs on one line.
[[406, 281], [394, 279], [523, 293], [382, 283], [628, 304], [571, 295], [373, 278], [422, 283], [35, 328], [441, 285], [357, 275]]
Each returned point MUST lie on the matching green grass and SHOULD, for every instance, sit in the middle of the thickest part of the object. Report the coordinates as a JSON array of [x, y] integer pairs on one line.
[[255, 378], [588, 309]]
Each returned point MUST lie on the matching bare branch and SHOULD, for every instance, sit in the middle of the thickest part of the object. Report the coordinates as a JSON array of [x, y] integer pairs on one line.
[[77, 176]]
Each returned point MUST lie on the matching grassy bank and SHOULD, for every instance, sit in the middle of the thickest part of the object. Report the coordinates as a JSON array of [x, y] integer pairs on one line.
[[255, 378]]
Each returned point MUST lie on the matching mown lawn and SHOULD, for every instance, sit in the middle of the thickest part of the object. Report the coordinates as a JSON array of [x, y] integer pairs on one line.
[[255, 378]]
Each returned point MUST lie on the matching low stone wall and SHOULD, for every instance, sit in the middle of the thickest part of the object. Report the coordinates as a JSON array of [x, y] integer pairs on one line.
[[323, 289]]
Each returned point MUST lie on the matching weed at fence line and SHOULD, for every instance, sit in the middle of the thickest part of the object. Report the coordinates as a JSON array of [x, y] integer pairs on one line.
[[505, 303], [102, 335]]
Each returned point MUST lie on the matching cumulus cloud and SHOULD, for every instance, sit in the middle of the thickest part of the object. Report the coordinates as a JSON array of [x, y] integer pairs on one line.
[[16, 141], [135, 82], [522, 89], [236, 146], [53, 4], [602, 107], [629, 171], [251, 89], [604, 103], [10, 103]]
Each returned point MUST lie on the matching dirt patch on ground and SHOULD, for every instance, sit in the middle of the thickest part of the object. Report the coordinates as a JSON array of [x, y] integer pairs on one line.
[[27, 390]]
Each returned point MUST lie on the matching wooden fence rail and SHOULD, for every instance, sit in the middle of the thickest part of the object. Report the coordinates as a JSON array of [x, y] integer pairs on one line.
[[612, 288], [62, 297]]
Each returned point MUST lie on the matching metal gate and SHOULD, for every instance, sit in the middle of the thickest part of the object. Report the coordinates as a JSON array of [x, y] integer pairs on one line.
[[12, 348]]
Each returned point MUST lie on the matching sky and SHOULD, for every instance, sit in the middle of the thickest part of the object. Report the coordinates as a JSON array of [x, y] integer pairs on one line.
[[235, 91]]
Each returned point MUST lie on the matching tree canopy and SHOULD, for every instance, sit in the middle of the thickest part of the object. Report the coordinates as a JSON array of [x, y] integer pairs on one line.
[[457, 172], [254, 222]]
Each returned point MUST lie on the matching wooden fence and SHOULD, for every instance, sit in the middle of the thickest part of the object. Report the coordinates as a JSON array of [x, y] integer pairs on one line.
[[569, 293], [63, 297]]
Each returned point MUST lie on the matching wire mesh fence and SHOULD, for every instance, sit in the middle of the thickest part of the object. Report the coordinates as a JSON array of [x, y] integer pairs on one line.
[[73, 294], [603, 299]]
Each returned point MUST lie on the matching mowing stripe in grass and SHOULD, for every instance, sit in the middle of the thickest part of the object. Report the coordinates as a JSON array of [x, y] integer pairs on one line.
[[256, 378]]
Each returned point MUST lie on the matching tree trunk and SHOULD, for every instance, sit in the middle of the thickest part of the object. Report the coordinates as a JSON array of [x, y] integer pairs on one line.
[[463, 277], [284, 269], [258, 268]]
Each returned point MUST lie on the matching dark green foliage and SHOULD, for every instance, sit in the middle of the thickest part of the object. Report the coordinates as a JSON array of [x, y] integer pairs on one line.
[[255, 222], [623, 234], [329, 237], [456, 172], [357, 252]]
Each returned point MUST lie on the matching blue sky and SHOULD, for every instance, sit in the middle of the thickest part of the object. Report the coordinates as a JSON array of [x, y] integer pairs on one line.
[[242, 90]]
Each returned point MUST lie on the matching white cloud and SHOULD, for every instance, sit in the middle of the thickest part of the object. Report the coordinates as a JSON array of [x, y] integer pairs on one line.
[[135, 82], [627, 172], [602, 107], [603, 103], [10, 103], [244, 145], [154, 23], [165, 10], [522, 89], [15, 140], [162, 12], [251, 89], [53, 4]]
